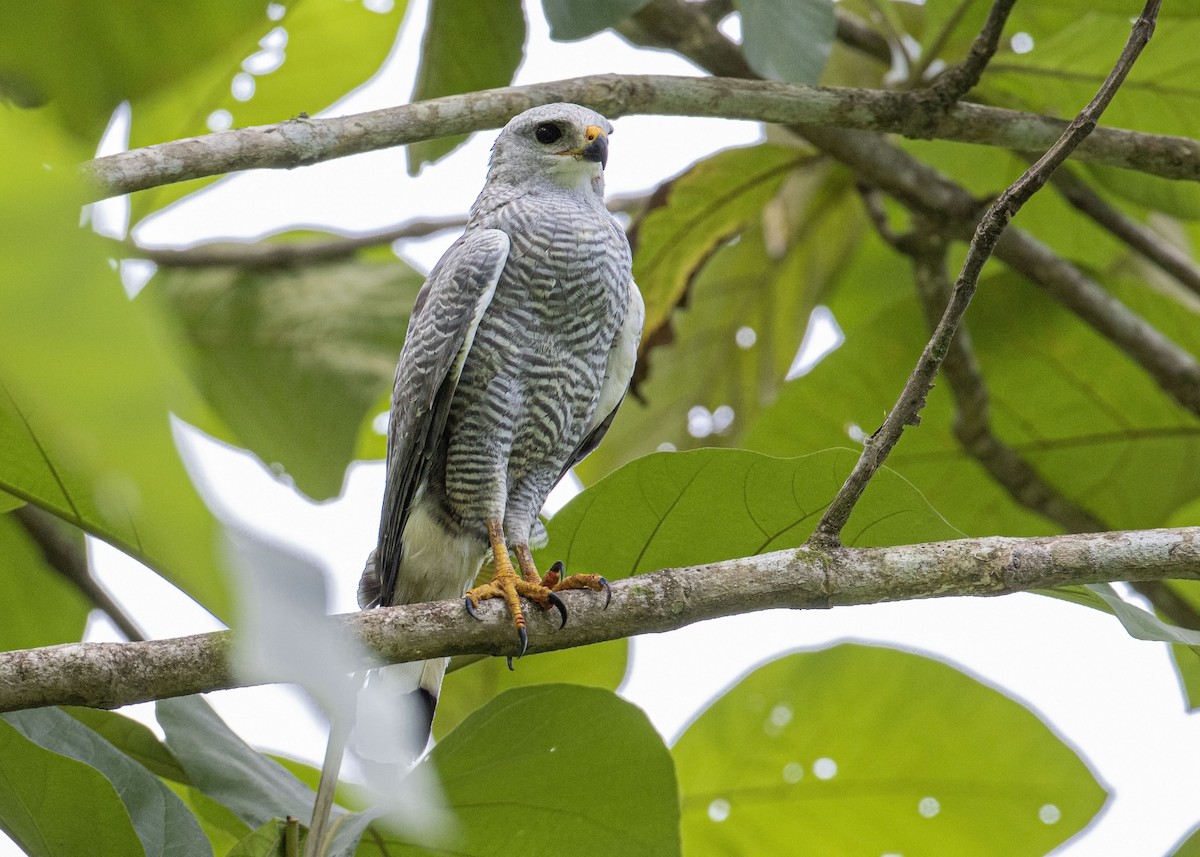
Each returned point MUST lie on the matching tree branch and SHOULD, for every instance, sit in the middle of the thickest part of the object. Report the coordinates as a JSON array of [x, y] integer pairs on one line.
[[987, 235], [953, 84], [66, 553], [1152, 246], [266, 254], [301, 142], [108, 675]]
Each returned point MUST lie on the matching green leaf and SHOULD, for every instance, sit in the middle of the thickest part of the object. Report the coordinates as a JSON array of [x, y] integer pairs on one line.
[[469, 688], [706, 206], [1187, 666], [266, 841], [90, 57], [90, 379], [577, 19], [788, 40], [132, 738], [164, 825], [469, 45], [294, 359], [54, 806], [220, 825], [1142, 624], [688, 508], [226, 768], [1189, 846], [588, 801], [1074, 48], [38, 607], [1082, 414], [863, 750], [324, 48]]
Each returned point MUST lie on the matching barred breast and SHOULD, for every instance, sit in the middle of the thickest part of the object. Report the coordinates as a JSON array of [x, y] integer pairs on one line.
[[531, 383]]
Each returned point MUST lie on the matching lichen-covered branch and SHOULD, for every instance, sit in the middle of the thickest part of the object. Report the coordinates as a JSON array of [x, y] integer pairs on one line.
[[107, 675], [300, 142]]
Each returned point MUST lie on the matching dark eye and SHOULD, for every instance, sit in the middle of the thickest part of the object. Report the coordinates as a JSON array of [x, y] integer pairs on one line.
[[547, 133]]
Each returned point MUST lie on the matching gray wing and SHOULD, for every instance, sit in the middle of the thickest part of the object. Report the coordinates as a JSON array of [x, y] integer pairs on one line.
[[617, 374], [440, 333]]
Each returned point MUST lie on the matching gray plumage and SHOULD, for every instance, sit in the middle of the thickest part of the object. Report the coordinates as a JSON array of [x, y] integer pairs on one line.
[[519, 350]]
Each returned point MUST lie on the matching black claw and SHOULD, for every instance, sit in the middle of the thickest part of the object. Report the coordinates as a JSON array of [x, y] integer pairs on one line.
[[562, 608], [558, 566], [510, 666], [471, 608], [524, 641], [607, 592]]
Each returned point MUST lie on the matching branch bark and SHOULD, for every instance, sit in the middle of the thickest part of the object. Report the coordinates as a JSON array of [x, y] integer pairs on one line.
[[108, 675], [919, 114]]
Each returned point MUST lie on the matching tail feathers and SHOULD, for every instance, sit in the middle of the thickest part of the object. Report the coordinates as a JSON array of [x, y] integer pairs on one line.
[[395, 711]]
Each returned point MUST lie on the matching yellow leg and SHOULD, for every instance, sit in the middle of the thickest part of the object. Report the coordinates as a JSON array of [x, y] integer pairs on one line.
[[510, 586]]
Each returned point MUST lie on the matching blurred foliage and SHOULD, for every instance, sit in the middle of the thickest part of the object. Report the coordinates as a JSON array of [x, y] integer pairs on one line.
[[294, 363]]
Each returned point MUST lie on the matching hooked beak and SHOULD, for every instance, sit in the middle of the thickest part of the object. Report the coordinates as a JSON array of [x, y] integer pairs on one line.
[[596, 149]]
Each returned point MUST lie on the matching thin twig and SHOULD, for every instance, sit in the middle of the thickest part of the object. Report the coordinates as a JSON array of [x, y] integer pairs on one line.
[[107, 675], [987, 235], [962, 78], [302, 142], [1152, 246], [264, 254], [268, 254], [972, 409], [66, 553]]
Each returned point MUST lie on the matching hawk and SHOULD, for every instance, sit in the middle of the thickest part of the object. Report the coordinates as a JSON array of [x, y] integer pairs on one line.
[[520, 349]]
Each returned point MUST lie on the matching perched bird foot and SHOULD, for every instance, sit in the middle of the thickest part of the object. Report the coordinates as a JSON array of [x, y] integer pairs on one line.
[[508, 586]]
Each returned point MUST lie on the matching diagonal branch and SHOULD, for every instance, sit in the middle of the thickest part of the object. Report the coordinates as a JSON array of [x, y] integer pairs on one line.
[[972, 404], [1152, 246], [302, 142], [958, 81], [987, 235], [108, 675], [66, 553]]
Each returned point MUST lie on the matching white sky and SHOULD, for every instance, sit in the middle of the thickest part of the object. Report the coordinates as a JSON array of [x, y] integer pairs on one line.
[[1117, 699]]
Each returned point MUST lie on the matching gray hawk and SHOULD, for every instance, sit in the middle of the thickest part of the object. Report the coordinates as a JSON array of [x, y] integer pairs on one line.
[[520, 348]]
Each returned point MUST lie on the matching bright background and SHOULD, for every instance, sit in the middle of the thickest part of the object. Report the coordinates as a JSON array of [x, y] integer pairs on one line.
[[1116, 699]]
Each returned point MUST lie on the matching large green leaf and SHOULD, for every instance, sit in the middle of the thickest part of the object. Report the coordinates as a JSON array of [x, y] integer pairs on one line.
[[54, 806], [578, 19], [134, 739], [863, 750], [1190, 846], [89, 57], [90, 379], [227, 769], [706, 206], [469, 45], [787, 40], [315, 54], [534, 773], [37, 605], [687, 508], [164, 825], [468, 688], [294, 359]]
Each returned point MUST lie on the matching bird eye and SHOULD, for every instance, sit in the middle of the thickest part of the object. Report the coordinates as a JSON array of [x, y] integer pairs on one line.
[[547, 133]]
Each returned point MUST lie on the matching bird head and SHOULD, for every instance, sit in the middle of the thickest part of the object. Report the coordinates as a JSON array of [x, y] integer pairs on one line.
[[564, 144]]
